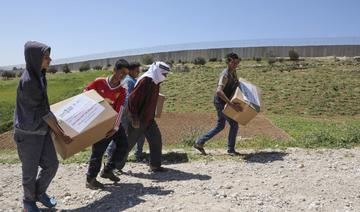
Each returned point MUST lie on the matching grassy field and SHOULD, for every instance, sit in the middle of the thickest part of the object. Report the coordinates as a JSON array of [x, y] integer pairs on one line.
[[61, 86], [316, 101], [319, 87]]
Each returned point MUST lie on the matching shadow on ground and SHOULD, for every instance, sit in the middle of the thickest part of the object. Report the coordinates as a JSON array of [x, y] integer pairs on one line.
[[127, 195], [122, 196], [264, 157], [170, 175], [167, 158]]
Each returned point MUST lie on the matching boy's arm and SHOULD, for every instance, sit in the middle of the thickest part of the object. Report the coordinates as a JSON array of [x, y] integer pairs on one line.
[[120, 106], [51, 120], [34, 101], [220, 93], [130, 86]]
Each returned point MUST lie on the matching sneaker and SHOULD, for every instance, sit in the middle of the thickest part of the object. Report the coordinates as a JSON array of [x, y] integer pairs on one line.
[[119, 166], [233, 153], [30, 206], [109, 175], [158, 169], [200, 148], [47, 201], [92, 183]]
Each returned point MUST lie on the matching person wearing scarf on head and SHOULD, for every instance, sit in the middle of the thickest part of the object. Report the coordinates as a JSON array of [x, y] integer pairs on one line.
[[141, 107], [32, 119]]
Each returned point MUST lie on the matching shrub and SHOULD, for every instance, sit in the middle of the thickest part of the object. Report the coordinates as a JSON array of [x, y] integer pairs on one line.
[[271, 60], [6, 126], [97, 67], [52, 70], [182, 61], [170, 63], [181, 68], [189, 136], [258, 59], [294, 56], [65, 68], [281, 60], [199, 61], [213, 59], [6, 75], [20, 73], [84, 67], [147, 60]]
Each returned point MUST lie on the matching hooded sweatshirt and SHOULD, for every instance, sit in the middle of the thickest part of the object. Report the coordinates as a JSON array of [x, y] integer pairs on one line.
[[32, 104]]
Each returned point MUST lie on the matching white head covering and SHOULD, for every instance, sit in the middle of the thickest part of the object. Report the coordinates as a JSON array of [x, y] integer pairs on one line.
[[155, 72]]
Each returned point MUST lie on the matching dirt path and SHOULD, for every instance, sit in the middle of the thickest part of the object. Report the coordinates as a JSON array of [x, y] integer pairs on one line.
[[292, 180], [174, 126]]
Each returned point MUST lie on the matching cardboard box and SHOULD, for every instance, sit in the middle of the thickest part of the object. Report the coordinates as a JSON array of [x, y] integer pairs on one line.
[[247, 95], [91, 124], [159, 105]]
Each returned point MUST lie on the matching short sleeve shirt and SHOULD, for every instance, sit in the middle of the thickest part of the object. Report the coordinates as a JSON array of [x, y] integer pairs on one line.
[[224, 77]]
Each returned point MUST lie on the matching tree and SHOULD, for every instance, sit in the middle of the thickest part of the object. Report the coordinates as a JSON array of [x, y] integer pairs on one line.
[[294, 56], [65, 68], [84, 67], [147, 60], [52, 70], [199, 61]]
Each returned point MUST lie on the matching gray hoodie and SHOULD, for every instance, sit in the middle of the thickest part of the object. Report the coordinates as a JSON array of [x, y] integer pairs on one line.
[[32, 104]]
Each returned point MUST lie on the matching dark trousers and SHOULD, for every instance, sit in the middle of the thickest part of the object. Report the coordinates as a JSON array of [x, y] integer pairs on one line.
[[98, 150], [220, 125], [34, 151], [139, 143], [153, 136]]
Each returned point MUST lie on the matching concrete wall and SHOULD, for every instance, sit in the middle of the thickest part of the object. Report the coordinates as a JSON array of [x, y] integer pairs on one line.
[[246, 52]]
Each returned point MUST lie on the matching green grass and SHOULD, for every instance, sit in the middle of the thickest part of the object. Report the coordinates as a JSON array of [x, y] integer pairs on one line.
[[61, 86], [320, 87]]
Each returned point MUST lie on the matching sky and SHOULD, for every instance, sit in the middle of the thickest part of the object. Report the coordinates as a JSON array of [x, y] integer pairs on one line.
[[82, 27]]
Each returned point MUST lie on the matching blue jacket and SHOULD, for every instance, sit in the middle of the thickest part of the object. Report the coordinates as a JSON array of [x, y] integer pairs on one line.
[[130, 82]]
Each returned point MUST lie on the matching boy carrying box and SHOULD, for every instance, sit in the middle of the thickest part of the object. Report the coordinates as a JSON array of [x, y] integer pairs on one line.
[[111, 90]]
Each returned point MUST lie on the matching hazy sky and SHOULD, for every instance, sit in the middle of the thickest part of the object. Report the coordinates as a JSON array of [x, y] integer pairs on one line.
[[81, 27]]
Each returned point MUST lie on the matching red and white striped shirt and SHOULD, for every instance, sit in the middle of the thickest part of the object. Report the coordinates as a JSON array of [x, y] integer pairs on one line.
[[115, 96]]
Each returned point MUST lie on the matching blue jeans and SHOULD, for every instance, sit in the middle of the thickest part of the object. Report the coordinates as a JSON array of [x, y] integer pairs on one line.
[[220, 125]]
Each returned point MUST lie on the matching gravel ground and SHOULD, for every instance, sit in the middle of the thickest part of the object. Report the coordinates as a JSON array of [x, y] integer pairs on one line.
[[270, 180]]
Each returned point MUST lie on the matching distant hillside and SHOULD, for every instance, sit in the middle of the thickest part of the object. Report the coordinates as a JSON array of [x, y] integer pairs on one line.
[[328, 87]]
